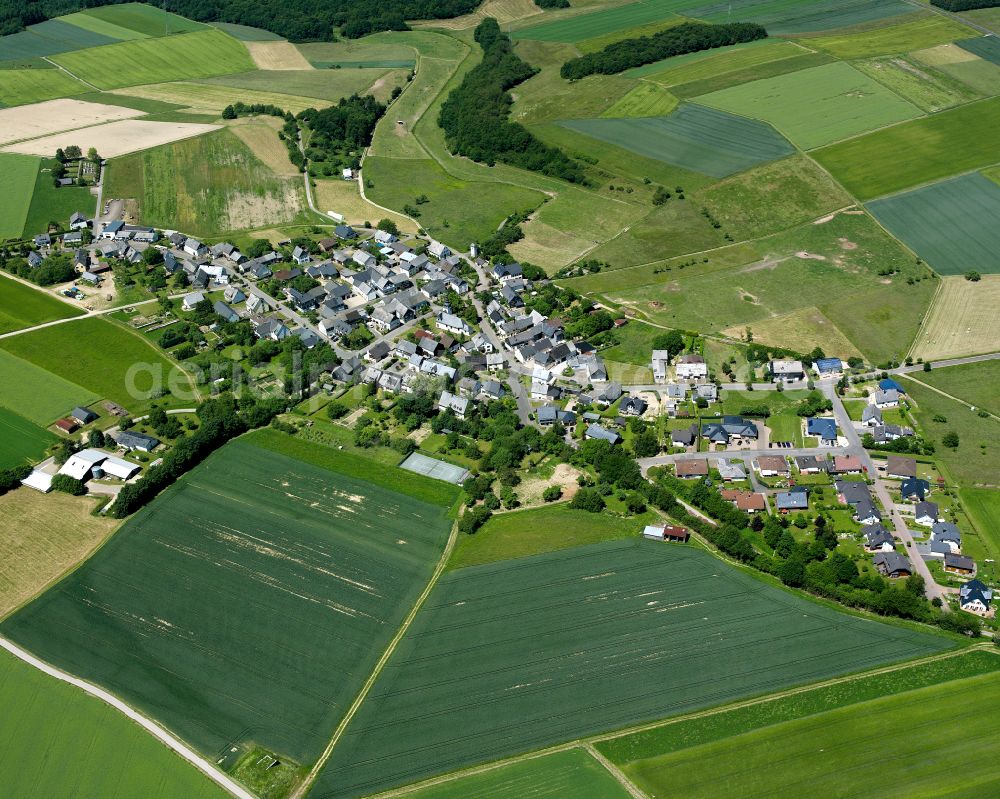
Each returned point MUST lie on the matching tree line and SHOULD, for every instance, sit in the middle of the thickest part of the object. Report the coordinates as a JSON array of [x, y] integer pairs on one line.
[[689, 37], [964, 5], [296, 20], [475, 115]]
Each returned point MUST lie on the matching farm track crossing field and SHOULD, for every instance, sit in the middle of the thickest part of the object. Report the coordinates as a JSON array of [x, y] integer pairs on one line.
[[961, 321], [976, 383], [189, 55], [22, 306], [837, 753], [21, 441], [693, 137], [99, 355], [509, 657], [571, 773], [247, 603], [952, 225], [65, 743], [343, 197], [36, 394], [917, 34], [816, 106], [41, 536], [20, 172], [915, 152], [20, 86], [803, 16]]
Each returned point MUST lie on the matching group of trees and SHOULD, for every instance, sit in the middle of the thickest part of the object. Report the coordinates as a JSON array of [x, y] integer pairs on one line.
[[54, 269], [964, 5], [688, 37], [475, 115], [297, 20]]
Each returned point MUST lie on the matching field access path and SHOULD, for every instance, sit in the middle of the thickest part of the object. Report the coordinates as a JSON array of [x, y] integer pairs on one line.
[[173, 743]]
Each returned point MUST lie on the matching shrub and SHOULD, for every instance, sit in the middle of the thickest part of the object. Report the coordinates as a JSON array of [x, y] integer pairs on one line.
[[552, 493], [68, 485]]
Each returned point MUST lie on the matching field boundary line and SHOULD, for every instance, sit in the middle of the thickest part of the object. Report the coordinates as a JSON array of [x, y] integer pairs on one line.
[[314, 772], [952, 397], [616, 772], [161, 733], [74, 77], [926, 317]]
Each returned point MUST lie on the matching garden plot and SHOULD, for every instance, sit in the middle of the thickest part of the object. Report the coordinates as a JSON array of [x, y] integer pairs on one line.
[[249, 602], [513, 656], [693, 137], [952, 224], [115, 138], [53, 116]]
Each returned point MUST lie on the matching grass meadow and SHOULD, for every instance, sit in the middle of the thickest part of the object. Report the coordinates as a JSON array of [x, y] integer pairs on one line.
[[143, 19], [211, 99], [571, 773], [962, 66], [21, 306], [21, 441], [927, 88], [41, 537], [314, 83], [770, 69], [207, 185], [47, 723], [53, 204], [20, 173], [816, 106], [49, 38], [982, 505], [841, 751], [694, 137], [976, 383], [611, 634], [343, 197], [190, 55], [645, 100], [712, 63], [20, 86], [36, 394], [915, 152], [106, 360], [951, 224], [916, 34], [961, 321], [247, 603], [550, 528], [605, 21]]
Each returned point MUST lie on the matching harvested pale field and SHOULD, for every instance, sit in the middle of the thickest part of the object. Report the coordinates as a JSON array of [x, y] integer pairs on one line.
[[53, 116], [549, 247], [260, 134], [211, 99], [962, 320], [41, 536], [502, 11], [277, 55], [115, 138], [343, 197], [800, 330]]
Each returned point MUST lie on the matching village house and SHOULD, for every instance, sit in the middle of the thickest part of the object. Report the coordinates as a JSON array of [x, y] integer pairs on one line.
[[877, 538], [899, 467], [926, 513], [457, 405], [828, 367], [660, 362], [692, 468], [959, 564], [596, 431], [823, 428], [730, 470], [786, 371], [131, 440], [746, 501], [885, 399], [795, 500], [812, 464], [730, 431], [691, 367], [914, 489], [975, 597], [772, 466], [871, 416], [847, 464], [948, 535], [892, 565]]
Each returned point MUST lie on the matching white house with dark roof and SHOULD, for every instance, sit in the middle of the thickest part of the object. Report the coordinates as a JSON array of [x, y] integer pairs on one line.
[[691, 367]]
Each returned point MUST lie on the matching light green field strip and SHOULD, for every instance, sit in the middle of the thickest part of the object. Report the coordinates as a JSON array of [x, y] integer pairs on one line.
[[816, 106], [19, 174], [36, 394], [712, 63], [918, 34], [95, 25], [23, 306], [645, 100], [21, 441], [22, 86]]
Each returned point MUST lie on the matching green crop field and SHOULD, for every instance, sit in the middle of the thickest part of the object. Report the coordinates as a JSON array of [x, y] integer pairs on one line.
[[927, 88], [50, 203], [951, 225], [207, 185], [975, 383], [915, 152], [570, 773], [645, 100], [983, 507], [49, 38], [148, 20], [21, 306], [609, 635], [20, 440], [249, 602], [986, 47], [916, 34], [95, 24], [816, 106], [189, 55], [771, 69], [604, 21], [105, 359], [712, 63], [36, 394], [448, 215], [693, 137], [20, 86], [321, 84], [47, 725], [537, 530], [246, 33], [841, 752], [803, 16], [20, 173]]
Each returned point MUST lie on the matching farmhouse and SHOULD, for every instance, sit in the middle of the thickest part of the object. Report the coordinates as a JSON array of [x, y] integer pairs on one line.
[[66, 425], [975, 597], [892, 564], [666, 532], [130, 440], [83, 415], [695, 467], [786, 371], [691, 367], [94, 463], [772, 466], [747, 501]]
